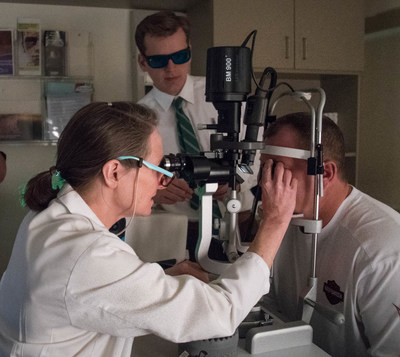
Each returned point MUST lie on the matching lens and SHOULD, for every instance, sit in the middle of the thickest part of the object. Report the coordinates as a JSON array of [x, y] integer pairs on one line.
[[161, 61], [166, 180], [173, 162], [158, 61], [181, 57]]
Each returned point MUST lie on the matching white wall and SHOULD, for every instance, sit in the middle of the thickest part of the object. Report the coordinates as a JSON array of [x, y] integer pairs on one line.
[[374, 7], [23, 162], [110, 29], [379, 128]]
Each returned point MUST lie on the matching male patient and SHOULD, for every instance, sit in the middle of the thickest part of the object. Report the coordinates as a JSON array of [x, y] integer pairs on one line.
[[358, 253]]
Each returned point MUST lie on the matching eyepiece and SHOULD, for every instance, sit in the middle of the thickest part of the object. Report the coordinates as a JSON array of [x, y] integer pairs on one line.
[[197, 170], [173, 163]]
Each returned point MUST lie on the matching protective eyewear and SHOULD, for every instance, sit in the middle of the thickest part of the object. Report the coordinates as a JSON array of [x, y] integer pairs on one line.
[[167, 176], [161, 61]]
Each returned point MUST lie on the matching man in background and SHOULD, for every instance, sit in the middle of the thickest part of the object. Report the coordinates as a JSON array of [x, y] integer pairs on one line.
[[163, 40], [358, 251]]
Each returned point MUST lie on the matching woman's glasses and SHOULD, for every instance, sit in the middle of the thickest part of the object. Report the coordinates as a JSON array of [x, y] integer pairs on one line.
[[161, 61], [166, 177]]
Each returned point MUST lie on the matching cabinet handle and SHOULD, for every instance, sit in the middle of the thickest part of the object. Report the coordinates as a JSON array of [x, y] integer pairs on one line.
[[304, 48], [287, 45]]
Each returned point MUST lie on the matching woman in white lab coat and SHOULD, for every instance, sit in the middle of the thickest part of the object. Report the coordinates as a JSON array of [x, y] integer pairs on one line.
[[72, 288]]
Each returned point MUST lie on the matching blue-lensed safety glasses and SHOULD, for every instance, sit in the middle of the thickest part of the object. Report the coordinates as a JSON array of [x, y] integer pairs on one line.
[[161, 61], [166, 177]]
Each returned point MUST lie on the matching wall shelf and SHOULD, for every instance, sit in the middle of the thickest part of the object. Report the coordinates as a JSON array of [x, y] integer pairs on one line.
[[38, 107]]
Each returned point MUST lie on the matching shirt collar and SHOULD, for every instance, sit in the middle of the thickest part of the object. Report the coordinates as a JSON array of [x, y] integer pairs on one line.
[[341, 211], [77, 205], [165, 100], [187, 92]]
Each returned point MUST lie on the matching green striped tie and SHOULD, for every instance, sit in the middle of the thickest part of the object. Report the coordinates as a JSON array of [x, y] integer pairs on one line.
[[187, 138], [189, 145]]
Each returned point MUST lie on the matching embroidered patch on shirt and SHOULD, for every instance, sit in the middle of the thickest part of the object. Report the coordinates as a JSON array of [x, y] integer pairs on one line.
[[332, 292]]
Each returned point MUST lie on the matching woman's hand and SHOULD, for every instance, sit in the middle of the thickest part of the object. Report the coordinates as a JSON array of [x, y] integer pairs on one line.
[[190, 268]]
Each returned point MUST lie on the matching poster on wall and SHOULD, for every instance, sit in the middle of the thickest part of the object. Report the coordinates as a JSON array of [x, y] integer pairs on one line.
[[54, 53], [63, 100], [28, 46], [6, 52]]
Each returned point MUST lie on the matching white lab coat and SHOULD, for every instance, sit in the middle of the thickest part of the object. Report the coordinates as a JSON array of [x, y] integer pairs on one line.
[[74, 289]]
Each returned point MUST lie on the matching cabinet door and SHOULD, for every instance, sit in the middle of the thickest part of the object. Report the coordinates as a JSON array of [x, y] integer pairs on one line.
[[273, 20], [329, 34]]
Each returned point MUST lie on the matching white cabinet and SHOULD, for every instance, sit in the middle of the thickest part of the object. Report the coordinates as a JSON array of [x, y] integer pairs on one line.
[[294, 35], [329, 35], [273, 20]]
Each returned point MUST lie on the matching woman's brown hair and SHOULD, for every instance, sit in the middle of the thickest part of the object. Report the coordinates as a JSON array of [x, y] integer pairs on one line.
[[97, 133]]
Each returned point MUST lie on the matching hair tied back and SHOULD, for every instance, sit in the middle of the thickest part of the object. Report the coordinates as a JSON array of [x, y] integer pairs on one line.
[[57, 182]]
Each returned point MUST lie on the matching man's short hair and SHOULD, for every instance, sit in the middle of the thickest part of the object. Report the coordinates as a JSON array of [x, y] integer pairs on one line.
[[332, 137], [161, 24]]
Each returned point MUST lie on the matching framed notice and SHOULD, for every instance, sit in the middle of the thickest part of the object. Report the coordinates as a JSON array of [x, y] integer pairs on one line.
[[6, 52], [28, 47]]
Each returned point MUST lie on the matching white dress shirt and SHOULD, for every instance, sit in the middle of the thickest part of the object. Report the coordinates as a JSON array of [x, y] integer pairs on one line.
[[72, 288]]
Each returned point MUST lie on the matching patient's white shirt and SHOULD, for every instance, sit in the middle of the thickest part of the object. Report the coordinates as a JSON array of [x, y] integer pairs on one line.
[[358, 271]]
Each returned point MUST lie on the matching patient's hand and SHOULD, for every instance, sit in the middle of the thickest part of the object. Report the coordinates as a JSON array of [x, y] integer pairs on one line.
[[190, 268], [221, 192], [177, 191]]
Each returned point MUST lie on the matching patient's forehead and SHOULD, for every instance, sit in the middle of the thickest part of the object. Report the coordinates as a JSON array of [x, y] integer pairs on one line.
[[285, 145], [285, 136]]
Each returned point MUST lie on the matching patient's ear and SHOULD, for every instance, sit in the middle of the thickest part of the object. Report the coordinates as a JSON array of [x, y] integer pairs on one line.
[[330, 172]]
